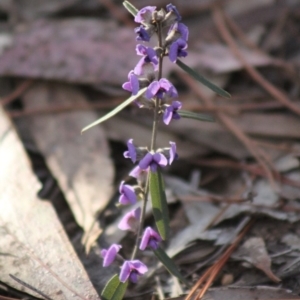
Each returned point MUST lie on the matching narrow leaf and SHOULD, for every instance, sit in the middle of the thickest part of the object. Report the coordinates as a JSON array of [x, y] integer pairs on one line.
[[169, 264], [196, 116], [115, 110], [202, 79], [114, 289], [159, 203], [131, 8]]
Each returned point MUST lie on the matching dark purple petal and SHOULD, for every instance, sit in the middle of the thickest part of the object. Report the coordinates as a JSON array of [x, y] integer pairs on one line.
[[173, 52], [145, 14], [150, 239], [146, 161], [109, 255], [173, 154], [130, 220], [171, 7], [142, 34]]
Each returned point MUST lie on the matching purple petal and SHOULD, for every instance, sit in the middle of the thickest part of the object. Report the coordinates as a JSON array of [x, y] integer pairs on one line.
[[139, 266], [152, 89], [141, 50], [133, 277], [110, 254], [171, 7], [125, 271], [131, 153], [145, 14], [150, 238], [168, 114], [146, 161], [173, 154], [138, 69], [160, 159], [130, 220], [184, 31], [176, 105], [136, 172], [142, 34], [173, 52]]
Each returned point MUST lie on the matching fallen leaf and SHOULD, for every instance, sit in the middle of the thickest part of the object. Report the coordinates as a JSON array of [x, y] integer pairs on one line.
[[80, 163], [34, 246]]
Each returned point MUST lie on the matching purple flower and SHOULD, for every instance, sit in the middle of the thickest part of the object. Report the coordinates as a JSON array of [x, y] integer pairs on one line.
[[161, 87], [171, 112], [128, 195], [177, 49], [132, 85], [131, 269], [149, 56], [131, 152], [153, 160], [143, 34], [150, 239], [172, 8], [130, 220], [145, 14], [172, 152], [109, 254]]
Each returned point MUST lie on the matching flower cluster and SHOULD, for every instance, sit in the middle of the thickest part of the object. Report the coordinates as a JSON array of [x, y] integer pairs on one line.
[[173, 37]]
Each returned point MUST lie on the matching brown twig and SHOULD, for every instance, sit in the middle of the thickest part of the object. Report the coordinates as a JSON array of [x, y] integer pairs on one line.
[[256, 76], [17, 92], [213, 271]]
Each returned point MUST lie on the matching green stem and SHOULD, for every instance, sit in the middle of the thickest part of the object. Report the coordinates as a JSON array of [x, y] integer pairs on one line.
[[152, 148]]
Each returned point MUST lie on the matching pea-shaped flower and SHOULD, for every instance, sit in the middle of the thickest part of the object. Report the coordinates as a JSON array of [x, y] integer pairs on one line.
[[109, 254], [171, 112], [132, 85], [160, 89], [130, 220], [131, 269], [128, 195], [150, 239], [153, 160]]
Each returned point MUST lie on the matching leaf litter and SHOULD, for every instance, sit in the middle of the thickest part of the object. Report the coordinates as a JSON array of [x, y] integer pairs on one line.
[[240, 157]]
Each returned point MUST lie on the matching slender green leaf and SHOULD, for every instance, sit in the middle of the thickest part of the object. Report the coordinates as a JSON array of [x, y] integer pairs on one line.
[[115, 110], [114, 289], [196, 116], [169, 264], [159, 203], [131, 8], [202, 79]]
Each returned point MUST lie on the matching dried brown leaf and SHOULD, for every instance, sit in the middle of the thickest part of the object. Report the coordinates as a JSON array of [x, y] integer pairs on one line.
[[34, 246]]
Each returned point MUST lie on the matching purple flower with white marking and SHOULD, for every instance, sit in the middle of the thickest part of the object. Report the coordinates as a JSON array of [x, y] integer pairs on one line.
[[161, 88], [150, 239], [172, 152], [132, 85], [153, 160], [131, 269], [145, 15], [172, 8], [171, 112], [131, 220], [177, 49], [128, 195], [131, 152], [149, 56], [109, 254]]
